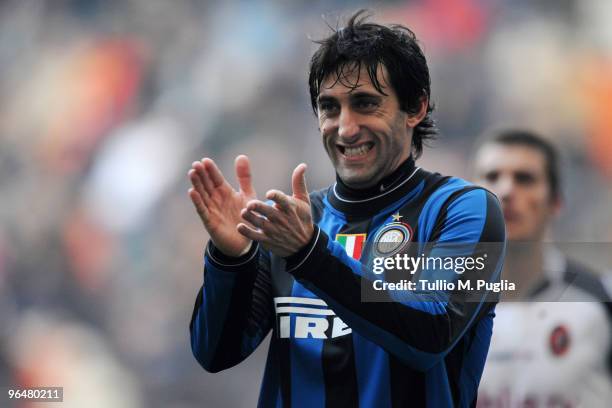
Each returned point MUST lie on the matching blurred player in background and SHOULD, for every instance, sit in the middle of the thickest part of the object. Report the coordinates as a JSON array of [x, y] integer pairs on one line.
[[552, 336]]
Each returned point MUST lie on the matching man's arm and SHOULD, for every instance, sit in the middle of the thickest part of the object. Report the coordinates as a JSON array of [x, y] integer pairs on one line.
[[232, 313], [419, 329], [233, 310]]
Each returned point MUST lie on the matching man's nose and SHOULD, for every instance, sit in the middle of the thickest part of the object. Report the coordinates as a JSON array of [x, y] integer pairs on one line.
[[348, 127], [505, 188]]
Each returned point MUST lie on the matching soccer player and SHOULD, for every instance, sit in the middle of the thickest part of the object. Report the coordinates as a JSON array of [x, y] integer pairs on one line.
[[300, 264], [551, 346]]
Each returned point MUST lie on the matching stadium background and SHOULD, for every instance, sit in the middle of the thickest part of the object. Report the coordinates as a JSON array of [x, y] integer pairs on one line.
[[105, 104]]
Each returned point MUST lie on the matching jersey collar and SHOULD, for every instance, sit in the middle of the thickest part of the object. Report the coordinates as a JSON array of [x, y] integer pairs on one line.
[[373, 199]]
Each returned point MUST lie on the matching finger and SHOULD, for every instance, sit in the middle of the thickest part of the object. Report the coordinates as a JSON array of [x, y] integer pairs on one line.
[[271, 213], [281, 199], [251, 233], [196, 182], [298, 183], [213, 171], [255, 219], [204, 177], [243, 173], [197, 201]]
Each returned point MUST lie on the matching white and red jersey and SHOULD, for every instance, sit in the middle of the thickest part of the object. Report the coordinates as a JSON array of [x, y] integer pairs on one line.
[[552, 353]]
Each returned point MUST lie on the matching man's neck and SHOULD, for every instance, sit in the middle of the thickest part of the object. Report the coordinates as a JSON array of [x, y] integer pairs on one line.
[[403, 171], [524, 266]]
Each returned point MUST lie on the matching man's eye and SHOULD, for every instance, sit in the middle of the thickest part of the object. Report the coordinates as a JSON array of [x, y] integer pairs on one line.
[[524, 178], [365, 104], [491, 177], [327, 107]]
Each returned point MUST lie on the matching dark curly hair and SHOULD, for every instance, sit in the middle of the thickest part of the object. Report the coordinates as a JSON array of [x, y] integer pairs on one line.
[[369, 45]]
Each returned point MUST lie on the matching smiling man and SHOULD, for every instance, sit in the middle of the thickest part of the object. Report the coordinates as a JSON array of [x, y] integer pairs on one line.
[[302, 265], [365, 131]]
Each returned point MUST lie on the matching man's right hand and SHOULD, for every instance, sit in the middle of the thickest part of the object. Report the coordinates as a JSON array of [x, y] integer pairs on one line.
[[219, 205]]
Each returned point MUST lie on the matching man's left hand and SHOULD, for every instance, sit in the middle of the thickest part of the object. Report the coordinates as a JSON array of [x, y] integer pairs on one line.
[[286, 227]]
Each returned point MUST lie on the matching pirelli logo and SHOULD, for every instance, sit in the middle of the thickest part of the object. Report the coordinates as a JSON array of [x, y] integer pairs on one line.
[[303, 318]]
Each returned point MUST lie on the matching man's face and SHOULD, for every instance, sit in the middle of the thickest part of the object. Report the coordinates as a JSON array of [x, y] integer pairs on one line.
[[517, 175], [365, 133]]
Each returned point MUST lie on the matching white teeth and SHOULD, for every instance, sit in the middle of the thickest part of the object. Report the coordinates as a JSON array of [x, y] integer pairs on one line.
[[356, 151]]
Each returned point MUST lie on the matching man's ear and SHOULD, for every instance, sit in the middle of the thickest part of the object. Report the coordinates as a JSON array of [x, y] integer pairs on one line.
[[413, 119]]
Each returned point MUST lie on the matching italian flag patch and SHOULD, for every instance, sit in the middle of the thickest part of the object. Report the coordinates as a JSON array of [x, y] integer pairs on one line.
[[352, 243]]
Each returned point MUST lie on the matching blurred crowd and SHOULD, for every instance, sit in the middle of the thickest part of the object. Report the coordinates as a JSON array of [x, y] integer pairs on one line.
[[104, 104]]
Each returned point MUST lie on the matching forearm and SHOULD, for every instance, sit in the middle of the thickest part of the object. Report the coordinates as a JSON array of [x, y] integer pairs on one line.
[[231, 314], [419, 328]]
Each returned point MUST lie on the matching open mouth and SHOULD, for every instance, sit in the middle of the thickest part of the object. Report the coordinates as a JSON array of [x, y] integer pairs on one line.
[[356, 151]]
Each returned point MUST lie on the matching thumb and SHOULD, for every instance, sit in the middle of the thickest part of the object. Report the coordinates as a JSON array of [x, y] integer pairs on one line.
[[298, 183], [243, 173]]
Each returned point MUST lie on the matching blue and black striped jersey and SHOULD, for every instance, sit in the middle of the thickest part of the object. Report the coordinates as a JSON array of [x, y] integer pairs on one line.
[[330, 347]]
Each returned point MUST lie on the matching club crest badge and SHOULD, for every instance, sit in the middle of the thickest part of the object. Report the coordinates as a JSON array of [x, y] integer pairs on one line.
[[559, 340], [352, 243], [392, 237]]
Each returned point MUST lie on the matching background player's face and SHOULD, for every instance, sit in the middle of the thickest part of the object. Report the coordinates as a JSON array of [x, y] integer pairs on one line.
[[517, 175], [365, 133]]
